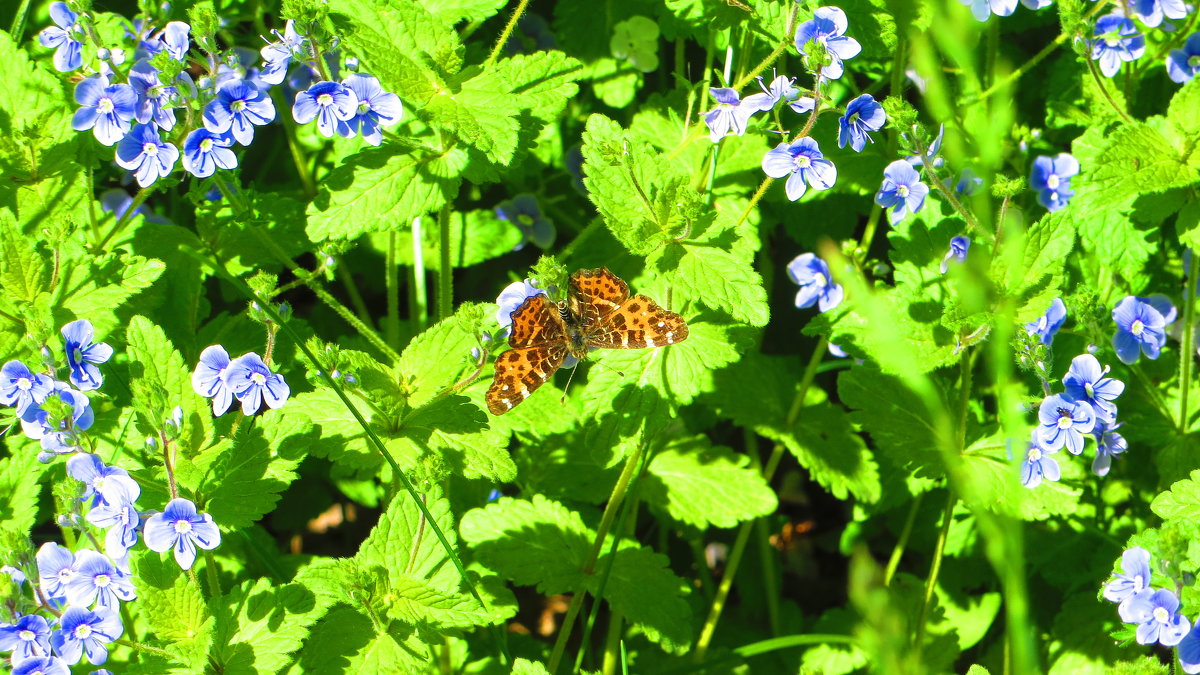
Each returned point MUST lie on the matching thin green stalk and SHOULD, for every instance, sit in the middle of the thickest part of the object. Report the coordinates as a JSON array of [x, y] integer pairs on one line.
[[764, 647], [770, 570], [356, 299], [612, 646], [138, 200], [591, 228], [935, 568], [712, 174], [1104, 90], [297, 152], [445, 298], [18, 24], [902, 542], [1185, 352], [418, 308], [504, 35], [1152, 391], [210, 571], [391, 278]]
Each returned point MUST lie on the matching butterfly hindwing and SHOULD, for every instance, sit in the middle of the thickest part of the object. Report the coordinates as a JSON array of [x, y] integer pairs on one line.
[[638, 323], [519, 372]]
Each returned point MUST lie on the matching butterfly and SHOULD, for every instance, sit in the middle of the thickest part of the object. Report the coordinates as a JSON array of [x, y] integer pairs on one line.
[[598, 313]]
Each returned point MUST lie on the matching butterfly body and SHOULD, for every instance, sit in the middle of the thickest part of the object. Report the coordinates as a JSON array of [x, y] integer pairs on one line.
[[597, 314]]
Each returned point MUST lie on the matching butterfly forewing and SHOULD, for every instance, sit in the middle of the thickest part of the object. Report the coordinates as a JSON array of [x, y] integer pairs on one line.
[[638, 323], [519, 372], [536, 321], [594, 294]]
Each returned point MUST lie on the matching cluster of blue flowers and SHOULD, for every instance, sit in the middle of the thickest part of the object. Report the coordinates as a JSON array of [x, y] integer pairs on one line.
[[235, 97], [246, 378], [1155, 612], [1051, 177], [73, 610]]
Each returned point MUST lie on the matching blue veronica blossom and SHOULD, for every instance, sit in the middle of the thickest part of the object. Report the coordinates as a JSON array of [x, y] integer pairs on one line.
[[968, 183], [17, 576], [174, 37], [376, 108], [153, 98], [729, 116], [958, 252], [144, 152], [1134, 579], [1141, 329], [1116, 41], [902, 191], [253, 383], [1109, 444], [83, 630], [329, 103], [68, 55], [83, 355], [803, 164], [1159, 618], [816, 284], [1047, 325], [120, 522], [208, 378], [238, 65], [59, 436], [105, 109], [97, 581], [21, 387], [524, 212], [181, 529], [1152, 12], [1189, 651], [828, 27], [238, 108], [1039, 466], [1063, 421], [104, 484], [204, 152], [983, 9], [863, 115], [781, 88], [1051, 177], [1184, 64], [28, 637], [511, 298], [55, 567], [1086, 381], [42, 665], [932, 153], [277, 56]]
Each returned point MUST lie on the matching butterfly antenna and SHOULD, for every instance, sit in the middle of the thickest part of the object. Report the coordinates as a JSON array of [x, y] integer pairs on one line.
[[570, 377]]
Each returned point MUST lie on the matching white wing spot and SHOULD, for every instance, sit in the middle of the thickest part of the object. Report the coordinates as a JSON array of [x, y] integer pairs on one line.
[[507, 403], [650, 343], [504, 388], [670, 337], [525, 394], [661, 324]]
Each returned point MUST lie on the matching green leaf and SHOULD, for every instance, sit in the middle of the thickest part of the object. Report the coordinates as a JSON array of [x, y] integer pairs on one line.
[[534, 543], [346, 641], [1183, 107], [1135, 159], [402, 44], [259, 625], [20, 483], [527, 667], [158, 378], [712, 274], [173, 609], [434, 360], [704, 485], [455, 429], [402, 543], [415, 602], [377, 190], [1182, 500], [898, 423], [1047, 246], [339, 437], [106, 282], [475, 237], [24, 267], [246, 477], [450, 12], [642, 586]]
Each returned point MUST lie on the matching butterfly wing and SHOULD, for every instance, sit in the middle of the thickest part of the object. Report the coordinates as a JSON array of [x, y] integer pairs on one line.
[[535, 322], [594, 294], [539, 345], [638, 323]]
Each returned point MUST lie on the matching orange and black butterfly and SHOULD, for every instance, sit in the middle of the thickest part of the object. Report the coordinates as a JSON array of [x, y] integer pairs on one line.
[[598, 313]]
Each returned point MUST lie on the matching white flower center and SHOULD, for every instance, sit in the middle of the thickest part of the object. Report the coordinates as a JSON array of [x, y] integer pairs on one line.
[[149, 149], [1052, 181], [820, 280], [1064, 419], [325, 100], [258, 378], [237, 106], [24, 383], [105, 106], [363, 107], [1137, 328], [1138, 583], [206, 145], [183, 526], [1112, 41], [1087, 388], [802, 161], [1161, 615], [902, 190], [102, 580], [27, 635], [83, 632], [1035, 454]]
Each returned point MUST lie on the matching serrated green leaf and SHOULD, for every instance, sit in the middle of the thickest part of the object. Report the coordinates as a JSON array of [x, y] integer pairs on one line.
[[713, 275], [246, 477], [158, 377], [415, 602], [20, 483], [703, 485], [898, 423], [1135, 159], [534, 543], [527, 667], [260, 624], [346, 641], [1183, 107], [435, 360], [339, 437], [1047, 247], [1181, 501], [451, 12], [403, 544], [24, 268], [642, 586], [173, 609]]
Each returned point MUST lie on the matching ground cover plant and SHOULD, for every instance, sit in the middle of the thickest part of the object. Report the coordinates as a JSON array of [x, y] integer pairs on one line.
[[644, 336]]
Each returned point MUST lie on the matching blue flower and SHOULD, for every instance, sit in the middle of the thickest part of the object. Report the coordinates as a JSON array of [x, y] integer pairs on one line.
[[1109, 444], [1117, 40], [153, 98], [55, 568], [278, 55], [120, 520], [511, 298], [1038, 466], [144, 152], [252, 383], [59, 435], [42, 665], [98, 581], [802, 162], [902, 191], [1151, 12], [104, 484], [181, 529], [208, 379], [816, 284], [523, 211], [828, 28], [1141, 329], [1051, 177], [968, 183], [1048, 324], [1158, 614], [781, 88], [329, 103], [729, 116], [83, 630], [1135, 563], [1064, 421], [1184, 64], [376, 108], [982, 9], [1086, 381], [175, 40], [932, 153], [204, 152], [17, 576], [22, 387], [106, 109], [863, 115], [238, 108], [28, 637], [83, 354], [958, 251], [68, 56]]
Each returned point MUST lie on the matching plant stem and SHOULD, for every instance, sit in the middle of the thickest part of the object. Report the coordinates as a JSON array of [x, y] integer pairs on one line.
[[445, 298], [1104, 90], [391, 279], [934, 569], [1185, 351], [137, 202], [902, 543], [210, 571], [418, 308], [298, 159], [504, 35]]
